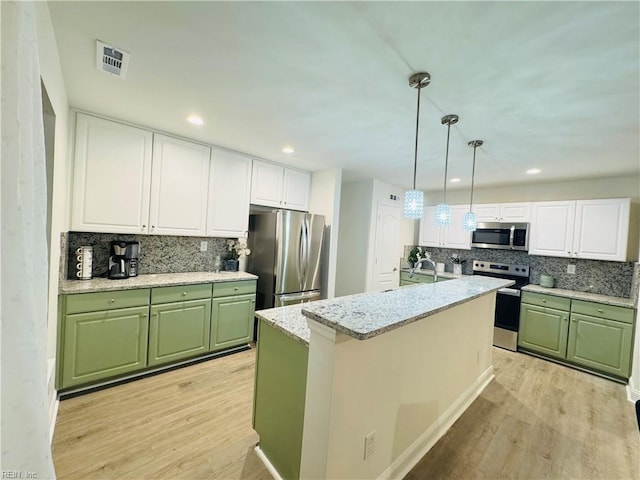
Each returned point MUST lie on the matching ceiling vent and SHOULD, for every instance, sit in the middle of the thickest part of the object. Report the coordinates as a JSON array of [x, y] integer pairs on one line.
[[112, 60]]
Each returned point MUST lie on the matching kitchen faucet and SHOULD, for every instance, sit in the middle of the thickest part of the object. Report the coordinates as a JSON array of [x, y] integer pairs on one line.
[[426, 259]]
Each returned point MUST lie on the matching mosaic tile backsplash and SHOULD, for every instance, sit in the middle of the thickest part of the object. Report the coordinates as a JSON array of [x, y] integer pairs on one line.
[[158, 253], [594, 276]]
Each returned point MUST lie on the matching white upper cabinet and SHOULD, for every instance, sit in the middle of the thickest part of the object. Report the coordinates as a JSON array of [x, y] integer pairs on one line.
[[589, 229], [601, 230], [503, 212], [452, 236], [112, 176], [179, 187], [229, 194], [551, 231], [276, 186], [295, 193]]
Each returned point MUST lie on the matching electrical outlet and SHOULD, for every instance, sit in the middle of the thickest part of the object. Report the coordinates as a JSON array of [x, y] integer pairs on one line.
[[369, 444], [203, 246], [571, 269]]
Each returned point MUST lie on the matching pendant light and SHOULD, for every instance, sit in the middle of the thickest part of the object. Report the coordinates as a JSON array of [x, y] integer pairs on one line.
[[470, 221], [443, 210], [414, 199]]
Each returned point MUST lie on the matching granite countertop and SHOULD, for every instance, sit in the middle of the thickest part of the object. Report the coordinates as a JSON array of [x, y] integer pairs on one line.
[[150, 280], [288, 320], [589, 297], [367, 315], [431, 273]]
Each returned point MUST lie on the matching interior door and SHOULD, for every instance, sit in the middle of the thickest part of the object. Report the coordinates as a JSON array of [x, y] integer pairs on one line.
[[386, 249]]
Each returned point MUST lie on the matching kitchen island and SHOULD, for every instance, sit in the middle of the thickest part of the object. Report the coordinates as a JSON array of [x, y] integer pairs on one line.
[[392, 370]]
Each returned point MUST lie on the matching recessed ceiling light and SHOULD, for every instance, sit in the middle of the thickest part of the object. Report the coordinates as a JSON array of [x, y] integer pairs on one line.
[[454, 180], [195, 120], [533, 171], [288, 149]]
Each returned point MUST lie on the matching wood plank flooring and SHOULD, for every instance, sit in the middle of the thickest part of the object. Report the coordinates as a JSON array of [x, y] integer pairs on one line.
[[535, 420], [539, 420]]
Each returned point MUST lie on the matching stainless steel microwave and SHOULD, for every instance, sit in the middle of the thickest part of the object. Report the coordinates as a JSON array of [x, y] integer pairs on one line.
[[505, 236]]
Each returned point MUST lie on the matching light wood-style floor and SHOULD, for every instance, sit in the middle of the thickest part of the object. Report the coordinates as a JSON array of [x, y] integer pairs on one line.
[[535, 420]]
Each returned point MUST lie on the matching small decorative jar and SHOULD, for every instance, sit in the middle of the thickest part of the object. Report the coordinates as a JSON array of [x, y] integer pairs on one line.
[[231, 265]]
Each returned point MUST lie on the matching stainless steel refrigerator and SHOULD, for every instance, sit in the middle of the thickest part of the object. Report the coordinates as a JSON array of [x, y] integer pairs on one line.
[[286, 249]]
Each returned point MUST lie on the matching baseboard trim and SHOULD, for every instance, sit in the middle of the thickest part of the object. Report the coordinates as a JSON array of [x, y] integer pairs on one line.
[[633, 391], [418, 449], [272, 470], [54, 417]]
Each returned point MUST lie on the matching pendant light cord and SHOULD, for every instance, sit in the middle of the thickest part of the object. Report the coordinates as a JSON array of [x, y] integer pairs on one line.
[[446, 163], [415, 159], [473, 175]]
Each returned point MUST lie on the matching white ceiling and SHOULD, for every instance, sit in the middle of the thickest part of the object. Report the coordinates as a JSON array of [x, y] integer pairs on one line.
[[552, 85]]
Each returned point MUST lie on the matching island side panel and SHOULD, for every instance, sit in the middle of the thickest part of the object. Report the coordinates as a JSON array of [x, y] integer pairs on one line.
[[279, 398], [408, 385]]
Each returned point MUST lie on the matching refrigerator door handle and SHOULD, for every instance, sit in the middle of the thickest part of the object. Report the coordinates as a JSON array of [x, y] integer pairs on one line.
[[307, 251], [300, 255]]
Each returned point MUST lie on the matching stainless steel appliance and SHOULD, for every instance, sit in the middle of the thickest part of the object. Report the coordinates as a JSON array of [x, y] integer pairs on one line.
[[507, 315], [504, 236], [123, 259], [286, 251]]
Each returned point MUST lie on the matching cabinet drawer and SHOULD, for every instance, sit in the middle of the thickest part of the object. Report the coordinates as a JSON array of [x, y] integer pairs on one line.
[[601, 310], [224, 289], [93, 302], [179, 293], [550, 301]]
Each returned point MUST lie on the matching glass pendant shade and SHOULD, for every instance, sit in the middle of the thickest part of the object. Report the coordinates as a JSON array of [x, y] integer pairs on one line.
[[470, 222], [413, 204], [443, 214]]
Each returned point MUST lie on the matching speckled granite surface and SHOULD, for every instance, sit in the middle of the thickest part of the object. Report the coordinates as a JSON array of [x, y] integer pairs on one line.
[[158, 253], [288, 320], [593, 276], [589, 297], [367, 315], [152, 280]]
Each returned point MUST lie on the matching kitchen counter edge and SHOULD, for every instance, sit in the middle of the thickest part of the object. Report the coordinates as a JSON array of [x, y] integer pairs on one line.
[[68, 287], [586, 296]]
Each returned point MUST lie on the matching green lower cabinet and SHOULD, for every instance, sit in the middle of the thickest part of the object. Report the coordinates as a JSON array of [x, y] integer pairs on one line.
[[279, 398], [103, 344], [179, 330], [232, 321], [601, 344], [543, 330]]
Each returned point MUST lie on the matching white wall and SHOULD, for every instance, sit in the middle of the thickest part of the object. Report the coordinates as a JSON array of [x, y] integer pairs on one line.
[[325, 200], [51, 75], [353, 237], [607, 187], [356, 239]]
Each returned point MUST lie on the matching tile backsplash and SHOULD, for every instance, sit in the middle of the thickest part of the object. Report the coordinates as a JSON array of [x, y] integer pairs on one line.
[[158, 253], [594, 276]]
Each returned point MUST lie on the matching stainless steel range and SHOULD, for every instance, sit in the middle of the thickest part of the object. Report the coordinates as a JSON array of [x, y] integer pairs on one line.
[[507, 315]]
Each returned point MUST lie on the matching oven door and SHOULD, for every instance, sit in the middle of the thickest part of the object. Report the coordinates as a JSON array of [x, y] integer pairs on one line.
[[507, 319]]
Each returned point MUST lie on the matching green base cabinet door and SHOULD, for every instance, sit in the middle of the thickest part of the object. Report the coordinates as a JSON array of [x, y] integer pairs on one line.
[[600, 344], [232, 321], [104, 344], [179, 330], [543, 330]]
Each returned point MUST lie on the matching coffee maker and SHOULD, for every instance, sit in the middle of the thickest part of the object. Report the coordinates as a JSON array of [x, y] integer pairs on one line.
[[123, 259]]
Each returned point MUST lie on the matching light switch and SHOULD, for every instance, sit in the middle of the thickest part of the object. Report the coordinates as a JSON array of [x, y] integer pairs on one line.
[[203, 246], [571, 269]]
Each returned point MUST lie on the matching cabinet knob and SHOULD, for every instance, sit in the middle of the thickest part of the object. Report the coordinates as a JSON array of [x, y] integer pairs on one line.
[[600, 311], [112, 300], [153, 226], [235, 288], [565, 319], [155, 314], [144, 226], [144, 315], [184, 294], [544, 300]]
